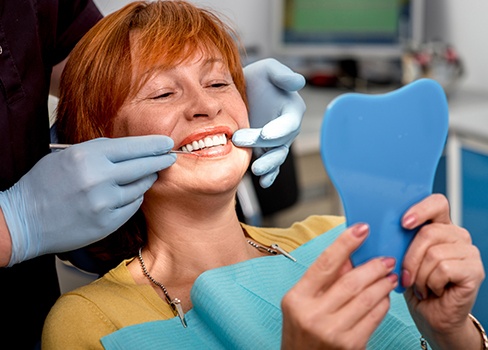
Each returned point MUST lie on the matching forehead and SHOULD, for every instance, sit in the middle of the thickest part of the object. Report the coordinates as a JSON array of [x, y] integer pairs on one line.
[[147, 54], [148, 57], [144, 67]]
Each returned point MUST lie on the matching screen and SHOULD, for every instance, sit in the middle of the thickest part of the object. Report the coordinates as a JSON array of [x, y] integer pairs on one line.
[[345, 28]]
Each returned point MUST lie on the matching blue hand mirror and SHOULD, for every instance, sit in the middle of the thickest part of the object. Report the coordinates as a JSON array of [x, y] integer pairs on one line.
[[381, 153]]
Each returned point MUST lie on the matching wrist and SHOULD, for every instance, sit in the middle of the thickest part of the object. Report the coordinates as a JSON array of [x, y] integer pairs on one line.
[[469, 336], [13, 225], [5, 241], [481, 330]]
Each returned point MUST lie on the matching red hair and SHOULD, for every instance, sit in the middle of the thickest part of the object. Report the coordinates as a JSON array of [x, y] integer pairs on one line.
[[98, 77], [101, 75]]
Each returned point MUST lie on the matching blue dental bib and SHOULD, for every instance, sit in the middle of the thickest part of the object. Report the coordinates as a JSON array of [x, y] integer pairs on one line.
[[238, 307]]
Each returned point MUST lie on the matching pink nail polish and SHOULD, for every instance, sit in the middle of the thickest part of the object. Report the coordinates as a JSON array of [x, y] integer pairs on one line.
[[360, 230], [406, 278], [389, 262], [393, 278], [409, 221]]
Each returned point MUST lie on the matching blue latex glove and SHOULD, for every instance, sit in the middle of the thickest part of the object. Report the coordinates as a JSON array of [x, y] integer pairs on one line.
[[77, 196], [276, 111]]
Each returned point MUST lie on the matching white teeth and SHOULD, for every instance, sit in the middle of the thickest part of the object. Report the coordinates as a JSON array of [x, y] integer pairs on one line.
[[208, 141]]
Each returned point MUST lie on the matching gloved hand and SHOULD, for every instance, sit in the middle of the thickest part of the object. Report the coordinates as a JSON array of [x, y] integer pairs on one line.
[[74, 197], [276, 111]]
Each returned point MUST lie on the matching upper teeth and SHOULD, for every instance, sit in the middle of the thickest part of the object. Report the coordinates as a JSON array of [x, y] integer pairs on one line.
[[208, 141]]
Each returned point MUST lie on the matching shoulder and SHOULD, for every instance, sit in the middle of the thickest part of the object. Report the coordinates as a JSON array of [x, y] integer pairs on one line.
[[88, 313], [297, 234], [75, 322]]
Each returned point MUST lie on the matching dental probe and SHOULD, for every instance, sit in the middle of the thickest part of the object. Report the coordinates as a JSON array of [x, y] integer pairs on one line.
[[59, 146]]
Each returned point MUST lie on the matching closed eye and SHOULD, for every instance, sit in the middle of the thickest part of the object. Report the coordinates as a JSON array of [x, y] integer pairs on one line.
[[219, 85], [161, 96]]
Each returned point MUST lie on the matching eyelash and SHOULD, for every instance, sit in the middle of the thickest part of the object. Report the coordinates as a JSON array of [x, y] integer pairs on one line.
[[166, 94], [216, 85]]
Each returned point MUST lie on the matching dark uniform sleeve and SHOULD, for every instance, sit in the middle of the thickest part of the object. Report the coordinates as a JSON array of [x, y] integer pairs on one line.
[[75, 18], [34, 36]]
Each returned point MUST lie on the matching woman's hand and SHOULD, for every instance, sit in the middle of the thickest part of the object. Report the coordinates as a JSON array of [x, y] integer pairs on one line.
[[442, 271], [335, 305]]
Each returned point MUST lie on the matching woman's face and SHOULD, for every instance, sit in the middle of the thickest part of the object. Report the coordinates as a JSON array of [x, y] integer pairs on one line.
[[198, 106]]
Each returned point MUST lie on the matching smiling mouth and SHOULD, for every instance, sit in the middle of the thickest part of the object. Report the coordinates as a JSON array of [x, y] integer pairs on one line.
[[206, 142]]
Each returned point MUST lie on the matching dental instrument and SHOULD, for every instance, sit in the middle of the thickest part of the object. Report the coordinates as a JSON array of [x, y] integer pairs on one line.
[[61, 146]]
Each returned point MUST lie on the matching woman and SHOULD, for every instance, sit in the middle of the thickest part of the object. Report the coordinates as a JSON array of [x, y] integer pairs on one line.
[[173, 69]]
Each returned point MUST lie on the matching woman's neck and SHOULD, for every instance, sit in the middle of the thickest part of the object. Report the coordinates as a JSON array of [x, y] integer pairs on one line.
[[184, 241]]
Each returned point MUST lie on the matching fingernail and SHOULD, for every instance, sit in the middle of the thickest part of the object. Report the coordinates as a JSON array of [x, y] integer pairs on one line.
[[409, 221], [389, 262], [418, 294], [360, 230], [393, 278], [406, 278]]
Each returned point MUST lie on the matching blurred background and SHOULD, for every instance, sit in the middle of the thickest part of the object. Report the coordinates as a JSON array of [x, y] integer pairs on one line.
[[372, 46]]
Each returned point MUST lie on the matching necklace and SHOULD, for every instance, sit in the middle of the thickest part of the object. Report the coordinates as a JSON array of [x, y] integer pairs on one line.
[[274, 249], [176, 303]]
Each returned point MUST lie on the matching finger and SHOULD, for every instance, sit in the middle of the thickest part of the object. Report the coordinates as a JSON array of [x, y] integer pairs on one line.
[[434, 256], [447, 273], [428, 236], [269, 161], [248, 137], [370, 322], [447, 264], [325, 270], [287, 124], [110, 196], [131, 192], [268, 179], [135, 169], [251, 137], [362, 314], [283, 77], [126, 148], [120, 215], [434, 208], [353, 284]]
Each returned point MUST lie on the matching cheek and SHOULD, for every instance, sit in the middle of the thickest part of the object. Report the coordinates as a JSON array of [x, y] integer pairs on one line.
[[242, 118], [119, 128], [137, 125]]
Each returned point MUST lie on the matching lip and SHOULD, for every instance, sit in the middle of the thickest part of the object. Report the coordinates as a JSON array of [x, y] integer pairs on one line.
[[200, 134]]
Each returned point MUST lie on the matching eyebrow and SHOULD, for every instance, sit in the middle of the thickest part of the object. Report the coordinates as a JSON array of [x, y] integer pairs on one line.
[[212, 60]]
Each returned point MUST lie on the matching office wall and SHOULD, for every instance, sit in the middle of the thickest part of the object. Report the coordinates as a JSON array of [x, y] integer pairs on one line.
[[464, 25], [461, 23], [249, 16]]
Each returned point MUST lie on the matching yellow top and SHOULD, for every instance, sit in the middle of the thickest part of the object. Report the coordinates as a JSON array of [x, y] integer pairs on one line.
[[80, 318]]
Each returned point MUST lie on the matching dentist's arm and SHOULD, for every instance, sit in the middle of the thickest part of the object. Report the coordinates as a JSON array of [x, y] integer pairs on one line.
[[77, 196], [276, 111]]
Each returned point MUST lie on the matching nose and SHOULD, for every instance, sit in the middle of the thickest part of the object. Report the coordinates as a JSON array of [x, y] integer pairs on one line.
[[202, 103]]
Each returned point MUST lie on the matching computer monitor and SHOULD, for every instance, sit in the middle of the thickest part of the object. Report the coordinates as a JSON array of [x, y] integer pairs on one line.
[[345, 29]]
